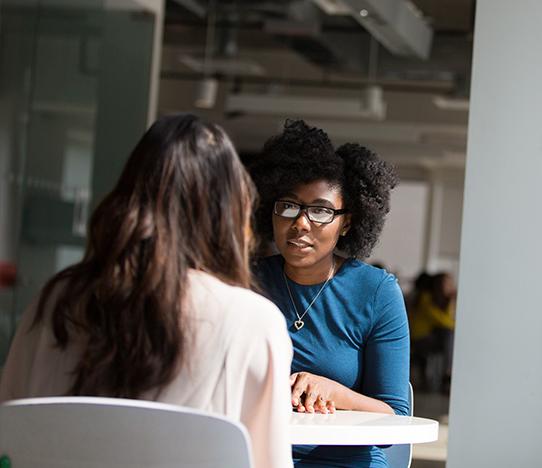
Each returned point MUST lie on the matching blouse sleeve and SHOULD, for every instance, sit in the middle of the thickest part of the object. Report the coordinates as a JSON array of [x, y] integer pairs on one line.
[[266, 407], [18, 365], [387, 351]]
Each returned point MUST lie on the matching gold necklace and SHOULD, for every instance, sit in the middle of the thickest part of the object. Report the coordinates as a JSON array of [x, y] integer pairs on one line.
[[298, 324]]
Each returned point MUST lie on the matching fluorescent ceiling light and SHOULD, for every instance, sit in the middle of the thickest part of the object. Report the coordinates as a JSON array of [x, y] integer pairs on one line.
[[452, 104], [371, 107], [223, 66]]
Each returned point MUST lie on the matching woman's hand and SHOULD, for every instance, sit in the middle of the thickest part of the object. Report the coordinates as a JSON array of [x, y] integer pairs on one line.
[[313, 393]]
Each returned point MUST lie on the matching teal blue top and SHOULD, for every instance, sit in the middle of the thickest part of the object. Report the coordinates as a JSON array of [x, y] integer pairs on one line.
[[356, 333]]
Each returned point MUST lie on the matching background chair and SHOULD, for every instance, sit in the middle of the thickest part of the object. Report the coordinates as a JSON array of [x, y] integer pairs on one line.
[[400, 456], [79, 432]]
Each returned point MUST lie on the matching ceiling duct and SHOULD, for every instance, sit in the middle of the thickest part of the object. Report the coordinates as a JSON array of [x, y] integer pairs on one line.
[[372, 106], [194, 7], [301, 29], [234, 66], [397, 24]]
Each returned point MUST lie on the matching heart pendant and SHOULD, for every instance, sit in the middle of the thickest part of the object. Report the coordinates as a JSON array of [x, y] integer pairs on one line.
[[298, 324]]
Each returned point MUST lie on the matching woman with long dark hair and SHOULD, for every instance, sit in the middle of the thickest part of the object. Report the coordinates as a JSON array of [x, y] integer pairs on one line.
[[160, 307]]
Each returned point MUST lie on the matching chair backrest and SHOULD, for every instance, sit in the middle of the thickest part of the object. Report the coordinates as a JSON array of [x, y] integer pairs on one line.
[[400, 456], [81, 432]]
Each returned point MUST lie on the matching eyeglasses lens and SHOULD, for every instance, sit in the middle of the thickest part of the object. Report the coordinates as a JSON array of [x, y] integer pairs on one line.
[[320, 215], [287, 210], [316, 214]]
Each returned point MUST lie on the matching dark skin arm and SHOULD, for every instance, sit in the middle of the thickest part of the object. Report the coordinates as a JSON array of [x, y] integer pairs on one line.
[[313, 393]]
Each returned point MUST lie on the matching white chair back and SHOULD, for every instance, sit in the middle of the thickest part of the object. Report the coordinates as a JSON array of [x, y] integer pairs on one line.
[[81, 432], [400, 456]]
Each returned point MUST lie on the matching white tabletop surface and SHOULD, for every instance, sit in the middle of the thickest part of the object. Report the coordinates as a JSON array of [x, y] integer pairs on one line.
[[360, 428]]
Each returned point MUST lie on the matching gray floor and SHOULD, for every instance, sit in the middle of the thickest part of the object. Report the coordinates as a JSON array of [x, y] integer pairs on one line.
[[427, 464]]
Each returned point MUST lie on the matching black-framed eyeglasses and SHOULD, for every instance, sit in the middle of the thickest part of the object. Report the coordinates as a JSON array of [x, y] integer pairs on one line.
[[316, 214]]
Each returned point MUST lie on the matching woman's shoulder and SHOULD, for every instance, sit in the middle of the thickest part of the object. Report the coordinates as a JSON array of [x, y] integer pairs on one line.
[[357, 270], [369, 283], [240, 303]]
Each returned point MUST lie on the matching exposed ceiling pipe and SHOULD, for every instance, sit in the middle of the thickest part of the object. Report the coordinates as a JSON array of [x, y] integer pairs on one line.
[[208, 86], [422, 86]]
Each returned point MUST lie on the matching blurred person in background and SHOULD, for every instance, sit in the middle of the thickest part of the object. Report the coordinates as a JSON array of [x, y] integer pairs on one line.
[[422, 284], [432, 321]]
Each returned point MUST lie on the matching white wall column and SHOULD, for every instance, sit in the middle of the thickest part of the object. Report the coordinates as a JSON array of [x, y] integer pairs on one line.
[[444, 220], [496, 405], [434, 222]]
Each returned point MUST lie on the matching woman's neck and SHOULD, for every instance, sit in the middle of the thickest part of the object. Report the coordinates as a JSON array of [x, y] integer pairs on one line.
[[313, 274]]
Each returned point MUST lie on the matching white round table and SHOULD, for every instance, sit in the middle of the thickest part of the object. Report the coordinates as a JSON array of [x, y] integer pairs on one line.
[[360, 428]]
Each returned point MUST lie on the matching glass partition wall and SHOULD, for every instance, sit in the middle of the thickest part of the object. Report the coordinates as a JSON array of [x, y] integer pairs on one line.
[[74, 91]]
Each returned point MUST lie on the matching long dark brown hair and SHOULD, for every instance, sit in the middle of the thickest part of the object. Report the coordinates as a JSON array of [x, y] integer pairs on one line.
[[182, 201]]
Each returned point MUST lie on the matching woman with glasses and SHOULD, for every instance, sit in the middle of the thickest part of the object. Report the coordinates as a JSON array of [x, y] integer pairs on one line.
[[160, 307], [325, 210]]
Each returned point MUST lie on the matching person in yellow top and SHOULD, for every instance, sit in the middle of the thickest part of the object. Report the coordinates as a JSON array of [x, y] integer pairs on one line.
[[431, 314], [432, 320]]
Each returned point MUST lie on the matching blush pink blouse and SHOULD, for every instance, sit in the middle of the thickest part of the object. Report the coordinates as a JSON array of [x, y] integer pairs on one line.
[[238, 364]]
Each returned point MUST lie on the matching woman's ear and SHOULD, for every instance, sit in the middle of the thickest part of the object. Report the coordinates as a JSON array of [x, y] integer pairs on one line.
[[346, 224]]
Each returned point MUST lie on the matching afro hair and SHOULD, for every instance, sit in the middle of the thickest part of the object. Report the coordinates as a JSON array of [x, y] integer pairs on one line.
[[302, 154]]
